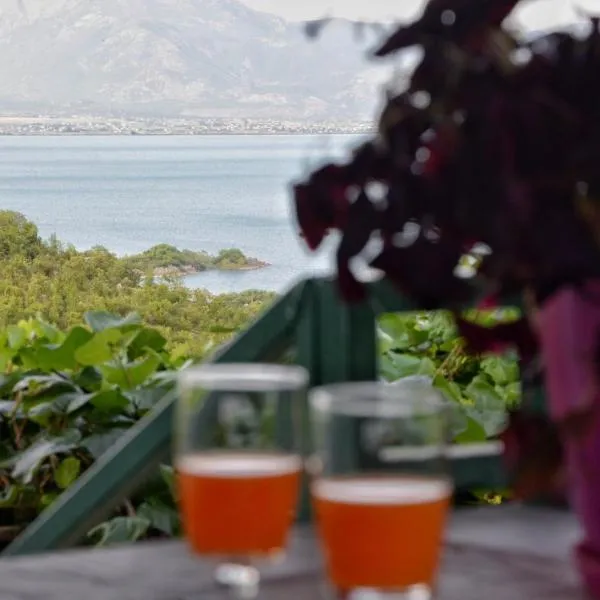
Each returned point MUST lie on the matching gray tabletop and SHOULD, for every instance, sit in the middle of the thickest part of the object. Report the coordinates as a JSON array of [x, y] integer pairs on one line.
[[496, 553]]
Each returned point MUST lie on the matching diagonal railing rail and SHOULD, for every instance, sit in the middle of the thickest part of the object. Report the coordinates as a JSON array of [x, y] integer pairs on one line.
[[334, 341]]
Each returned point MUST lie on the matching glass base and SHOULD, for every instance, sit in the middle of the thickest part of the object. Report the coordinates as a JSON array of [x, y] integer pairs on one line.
[[413, 592], [243, 580]]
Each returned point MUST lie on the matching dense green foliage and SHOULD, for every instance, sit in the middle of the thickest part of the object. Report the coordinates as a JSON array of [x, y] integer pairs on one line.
[[66, 398], [68, 390], [61, 283], [481, 387], [164, 256]]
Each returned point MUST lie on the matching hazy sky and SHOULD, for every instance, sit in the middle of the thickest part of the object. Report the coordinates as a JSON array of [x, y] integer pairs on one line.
[[534, 14]]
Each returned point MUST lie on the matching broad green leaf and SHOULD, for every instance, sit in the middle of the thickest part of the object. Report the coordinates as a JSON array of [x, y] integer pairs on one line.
[[131, 375], [473, 433], [427, 367], [488, 408], [76, 402], [89, 378], [25, 464], [99, 348], [387, 368], [146, 338], [449, 389], [17, 336], [47, 499], [396, 328], [45, 329], [385, 342], [77, 337], [31, 358], [62, 357], [6, 357], [119, 530], [146, 398], [7, 407], [404, 365], [98, 443], [101, 320], [39, 388], [502, 370], [69, 403], [160, 516], [41, 413], [8, 382], [418, 337], [35, 382], [168, 474], [9, 496], [67, 472], [110, 401], [513, 393]]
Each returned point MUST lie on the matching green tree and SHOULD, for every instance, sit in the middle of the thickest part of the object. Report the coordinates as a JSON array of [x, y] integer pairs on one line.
[[231, 256], [18, 236], [60, 283]]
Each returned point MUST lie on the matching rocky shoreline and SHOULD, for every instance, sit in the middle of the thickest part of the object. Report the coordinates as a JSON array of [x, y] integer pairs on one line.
[[182, 271]]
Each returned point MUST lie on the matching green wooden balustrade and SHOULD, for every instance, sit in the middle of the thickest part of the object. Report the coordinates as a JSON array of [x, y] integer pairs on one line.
[[334, 341]]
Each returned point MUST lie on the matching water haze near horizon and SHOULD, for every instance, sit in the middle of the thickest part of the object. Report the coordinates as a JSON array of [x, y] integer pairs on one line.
[[129, 193]]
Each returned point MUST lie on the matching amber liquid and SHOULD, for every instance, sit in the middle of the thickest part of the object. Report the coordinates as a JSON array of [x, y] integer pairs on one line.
[[381, 532], [236, 503]]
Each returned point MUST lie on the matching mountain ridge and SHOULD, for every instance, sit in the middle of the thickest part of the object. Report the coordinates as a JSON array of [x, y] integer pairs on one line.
[[175, 58]]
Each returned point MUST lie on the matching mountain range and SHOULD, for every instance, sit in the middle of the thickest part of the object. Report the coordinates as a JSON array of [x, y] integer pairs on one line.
[[196, 58]]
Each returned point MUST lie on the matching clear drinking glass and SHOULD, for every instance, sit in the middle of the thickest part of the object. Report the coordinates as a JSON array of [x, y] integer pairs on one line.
[[238, 465], [379, 488]]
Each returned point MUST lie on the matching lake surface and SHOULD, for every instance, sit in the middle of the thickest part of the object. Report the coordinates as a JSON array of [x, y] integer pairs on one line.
[[197, 192]]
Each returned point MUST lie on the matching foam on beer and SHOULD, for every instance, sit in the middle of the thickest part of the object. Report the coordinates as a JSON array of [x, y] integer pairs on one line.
[[384, 490], [238, 464]]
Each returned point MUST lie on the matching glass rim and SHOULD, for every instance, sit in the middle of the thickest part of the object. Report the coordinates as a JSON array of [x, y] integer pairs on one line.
[[244, 377], [376, 399]]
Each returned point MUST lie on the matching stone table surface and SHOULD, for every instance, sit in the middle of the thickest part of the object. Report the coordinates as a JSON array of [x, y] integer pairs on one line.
[[492, 553]]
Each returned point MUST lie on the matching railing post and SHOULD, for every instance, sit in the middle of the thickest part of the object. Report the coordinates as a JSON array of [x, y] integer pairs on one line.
[[336, 343], [347, 352]]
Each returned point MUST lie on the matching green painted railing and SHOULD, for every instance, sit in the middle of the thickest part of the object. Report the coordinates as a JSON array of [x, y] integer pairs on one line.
[[334, 341]]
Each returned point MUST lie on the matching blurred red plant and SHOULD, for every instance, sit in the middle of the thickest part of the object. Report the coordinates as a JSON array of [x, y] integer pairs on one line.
[[495, 141]]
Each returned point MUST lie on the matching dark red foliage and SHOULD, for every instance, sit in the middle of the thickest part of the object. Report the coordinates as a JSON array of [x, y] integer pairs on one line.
[[461, 22], [534, 455], [499, 337], [479, 148]]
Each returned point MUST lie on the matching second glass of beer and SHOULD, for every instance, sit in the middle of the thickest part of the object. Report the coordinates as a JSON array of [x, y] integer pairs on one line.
[[238, 465], [378, 488]]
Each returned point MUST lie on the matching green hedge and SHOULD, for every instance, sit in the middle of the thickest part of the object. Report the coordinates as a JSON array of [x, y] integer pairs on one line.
[[65, 397]]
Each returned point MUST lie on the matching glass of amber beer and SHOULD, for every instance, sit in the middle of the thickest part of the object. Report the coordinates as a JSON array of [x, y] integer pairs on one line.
[[378, 487], [238, 466]]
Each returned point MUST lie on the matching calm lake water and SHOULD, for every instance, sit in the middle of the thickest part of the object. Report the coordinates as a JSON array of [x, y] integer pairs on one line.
[[201, 193]]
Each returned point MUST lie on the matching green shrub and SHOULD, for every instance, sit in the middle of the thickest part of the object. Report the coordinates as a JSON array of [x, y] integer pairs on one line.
[[66, 398]]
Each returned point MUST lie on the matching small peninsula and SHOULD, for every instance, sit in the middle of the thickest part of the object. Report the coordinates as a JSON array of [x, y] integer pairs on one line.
[[164, 260]]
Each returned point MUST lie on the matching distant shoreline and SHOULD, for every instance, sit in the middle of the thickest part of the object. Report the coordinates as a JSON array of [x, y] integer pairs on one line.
[[187, 270], [164, 260], [230, 134], [96, 126], [182, 134]]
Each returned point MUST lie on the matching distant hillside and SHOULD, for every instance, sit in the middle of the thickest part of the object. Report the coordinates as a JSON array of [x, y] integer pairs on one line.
[[176, 57]]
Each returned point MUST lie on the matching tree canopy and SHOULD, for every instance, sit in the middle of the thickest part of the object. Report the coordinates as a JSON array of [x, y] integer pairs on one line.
[[61, 283]]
